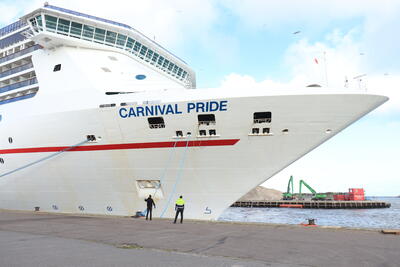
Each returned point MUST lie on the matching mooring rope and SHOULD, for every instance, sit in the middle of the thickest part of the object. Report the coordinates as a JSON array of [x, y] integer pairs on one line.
[[43, 159], [178, 176], [163, 174], [166, 167]]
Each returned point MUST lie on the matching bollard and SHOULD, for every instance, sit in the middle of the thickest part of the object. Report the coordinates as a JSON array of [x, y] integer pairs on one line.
[[311, 221]]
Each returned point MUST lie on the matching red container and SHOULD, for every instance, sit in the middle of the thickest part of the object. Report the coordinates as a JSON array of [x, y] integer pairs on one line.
[[356, 190], [352, 197], [339, 197], [358, 197]]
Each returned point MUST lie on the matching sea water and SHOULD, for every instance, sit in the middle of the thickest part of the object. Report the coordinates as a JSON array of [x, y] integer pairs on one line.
[[385, 218]]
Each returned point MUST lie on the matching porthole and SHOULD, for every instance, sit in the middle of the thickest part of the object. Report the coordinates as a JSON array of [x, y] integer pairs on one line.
[[10, 140], [285, 131], [1, 160], [140, 77]]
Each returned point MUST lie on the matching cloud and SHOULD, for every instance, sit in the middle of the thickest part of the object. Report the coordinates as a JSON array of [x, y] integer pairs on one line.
[[8, 13], [336, 61], [277, 14], [169, 22], [378, 22]]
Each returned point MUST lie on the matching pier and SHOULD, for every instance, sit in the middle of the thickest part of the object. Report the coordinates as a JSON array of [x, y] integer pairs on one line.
[[44, 239], [310, 204]]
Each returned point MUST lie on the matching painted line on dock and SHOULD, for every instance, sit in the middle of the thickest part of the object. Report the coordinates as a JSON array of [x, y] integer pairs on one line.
[[196, 143]]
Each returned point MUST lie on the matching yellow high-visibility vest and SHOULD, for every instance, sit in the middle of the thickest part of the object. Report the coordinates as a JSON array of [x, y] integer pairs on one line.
[[180, 202]]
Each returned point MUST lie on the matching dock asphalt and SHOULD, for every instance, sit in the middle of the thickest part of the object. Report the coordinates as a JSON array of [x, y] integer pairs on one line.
[[43, 239]]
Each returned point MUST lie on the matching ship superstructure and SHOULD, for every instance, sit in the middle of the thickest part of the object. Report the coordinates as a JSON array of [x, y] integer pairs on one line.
[[94, 117], [17, 75]]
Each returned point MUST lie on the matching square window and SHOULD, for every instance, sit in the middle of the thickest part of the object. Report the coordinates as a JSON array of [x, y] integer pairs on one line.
[[57, 67], [88, 32], [262, 117], [156, 122], [76, 29], [99, 35]]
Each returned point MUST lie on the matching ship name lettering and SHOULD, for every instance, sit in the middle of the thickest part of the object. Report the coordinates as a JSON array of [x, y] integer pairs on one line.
[[167, 109]]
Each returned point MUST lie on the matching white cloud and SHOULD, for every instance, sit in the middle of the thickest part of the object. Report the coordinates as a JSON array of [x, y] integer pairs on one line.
[[7, 13], [339, 59], [277, 14], [170, 22]]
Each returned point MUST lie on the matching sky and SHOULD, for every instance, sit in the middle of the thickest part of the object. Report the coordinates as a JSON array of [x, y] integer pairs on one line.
[[273, 44]]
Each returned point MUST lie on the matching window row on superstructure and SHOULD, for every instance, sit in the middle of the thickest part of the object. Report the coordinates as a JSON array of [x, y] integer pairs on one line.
[[17, 96], [17, 82], [17, 74], [15, 52], [110, 38], [12, 39], [12, 27], [7, 71]]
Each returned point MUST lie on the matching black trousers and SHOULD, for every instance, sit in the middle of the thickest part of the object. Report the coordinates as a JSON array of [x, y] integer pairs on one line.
[[177, 213], [149, 210]]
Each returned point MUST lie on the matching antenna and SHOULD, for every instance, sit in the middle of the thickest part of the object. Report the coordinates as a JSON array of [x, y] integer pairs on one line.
[[326, 71], [359, 79]]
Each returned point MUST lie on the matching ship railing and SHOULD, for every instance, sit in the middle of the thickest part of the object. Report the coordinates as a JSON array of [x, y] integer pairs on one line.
[[12, 27], [16, 70], [19, 53], [18, 85]]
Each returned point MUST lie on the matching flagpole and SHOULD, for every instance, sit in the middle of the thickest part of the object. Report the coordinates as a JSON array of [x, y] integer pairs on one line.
[[326, 71]]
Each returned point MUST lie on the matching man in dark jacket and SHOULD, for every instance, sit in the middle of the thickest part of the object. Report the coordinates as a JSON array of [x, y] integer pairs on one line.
[[150, 204]]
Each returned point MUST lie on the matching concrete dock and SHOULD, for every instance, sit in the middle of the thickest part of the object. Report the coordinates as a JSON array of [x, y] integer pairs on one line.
[[40, 239]]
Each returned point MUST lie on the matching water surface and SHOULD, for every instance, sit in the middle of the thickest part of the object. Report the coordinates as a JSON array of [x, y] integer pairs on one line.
[[388, 218]]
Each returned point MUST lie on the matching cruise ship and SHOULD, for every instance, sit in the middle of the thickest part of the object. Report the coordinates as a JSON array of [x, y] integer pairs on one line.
[[95, 116]]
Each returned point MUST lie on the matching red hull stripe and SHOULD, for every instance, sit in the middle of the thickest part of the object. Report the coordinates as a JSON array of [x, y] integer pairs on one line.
[[226, 142]]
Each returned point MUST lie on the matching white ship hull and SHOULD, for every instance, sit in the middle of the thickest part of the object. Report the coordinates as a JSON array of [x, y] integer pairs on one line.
[[210, 176]]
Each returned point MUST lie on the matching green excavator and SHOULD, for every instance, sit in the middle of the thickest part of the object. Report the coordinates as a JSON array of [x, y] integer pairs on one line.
[[289, 195], [316, 196]]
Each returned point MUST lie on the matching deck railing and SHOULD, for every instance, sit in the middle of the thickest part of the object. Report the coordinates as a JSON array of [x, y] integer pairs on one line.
[[16, 70], [18, 85], [19, 53]]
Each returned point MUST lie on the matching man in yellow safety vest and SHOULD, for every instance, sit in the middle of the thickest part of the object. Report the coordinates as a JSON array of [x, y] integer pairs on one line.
[[179, 207]]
